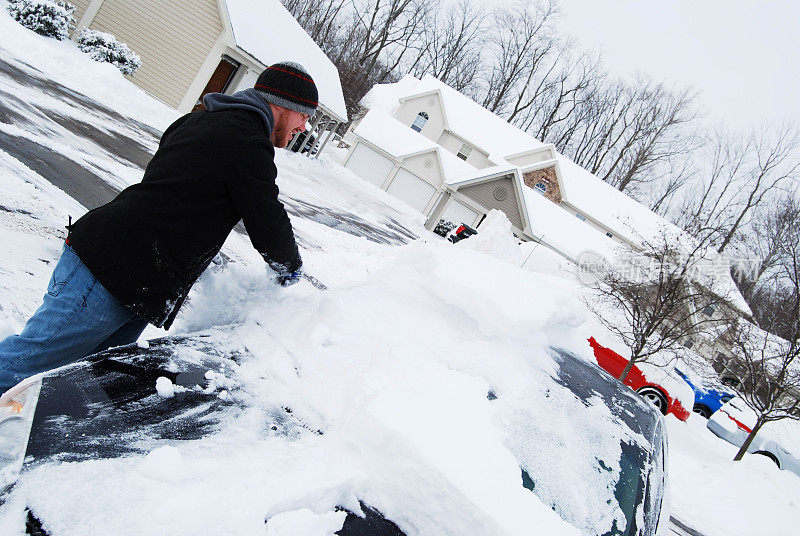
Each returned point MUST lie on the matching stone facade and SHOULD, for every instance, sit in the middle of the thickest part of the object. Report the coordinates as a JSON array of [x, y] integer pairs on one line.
[[548, 177]]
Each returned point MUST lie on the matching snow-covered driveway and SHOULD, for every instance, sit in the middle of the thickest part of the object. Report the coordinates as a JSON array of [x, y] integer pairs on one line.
[[91, 152]]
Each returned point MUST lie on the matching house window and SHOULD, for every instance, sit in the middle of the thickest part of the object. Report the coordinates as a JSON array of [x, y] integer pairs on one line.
[[464, 152], [609, 235], [540, 187], [689, 342], [708, 310], [420, 121], [580, 216]]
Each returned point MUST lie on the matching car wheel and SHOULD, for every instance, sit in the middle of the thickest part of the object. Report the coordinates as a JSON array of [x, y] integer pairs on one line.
[[702, 410], [769, 455], [655, 397]]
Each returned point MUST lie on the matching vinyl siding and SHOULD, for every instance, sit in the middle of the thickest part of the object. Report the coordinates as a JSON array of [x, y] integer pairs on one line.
[[453, 143], [172, 38], [483, 194], [80, 8], [424, 166], [430, 104]]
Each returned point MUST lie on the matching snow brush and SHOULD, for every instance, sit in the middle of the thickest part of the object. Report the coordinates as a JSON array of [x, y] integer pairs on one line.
[[314, 281]]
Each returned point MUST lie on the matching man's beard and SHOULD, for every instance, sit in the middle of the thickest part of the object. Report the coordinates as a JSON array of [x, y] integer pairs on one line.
[[281, 136]]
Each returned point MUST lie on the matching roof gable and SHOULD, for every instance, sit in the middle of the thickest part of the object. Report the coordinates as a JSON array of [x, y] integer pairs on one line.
[[498, 193], [499, 174], [398, 140]]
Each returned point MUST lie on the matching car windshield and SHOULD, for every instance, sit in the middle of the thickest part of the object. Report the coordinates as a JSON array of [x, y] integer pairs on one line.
[[629, 490], [591, 451]]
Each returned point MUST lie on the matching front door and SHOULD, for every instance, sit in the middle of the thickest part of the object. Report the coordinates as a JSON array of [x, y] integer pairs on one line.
[[220, 80]]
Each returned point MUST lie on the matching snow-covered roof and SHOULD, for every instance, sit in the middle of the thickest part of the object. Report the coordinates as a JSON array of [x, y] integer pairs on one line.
[[555, 226], [476, 124], [269, 33], [465, 117], [387, 97], [384, 131], [491, 171], [473, 122], [604, 203], [638, 224]]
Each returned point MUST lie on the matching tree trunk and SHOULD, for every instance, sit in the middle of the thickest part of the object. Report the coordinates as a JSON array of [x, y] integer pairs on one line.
[[625, 371], [749, 440]]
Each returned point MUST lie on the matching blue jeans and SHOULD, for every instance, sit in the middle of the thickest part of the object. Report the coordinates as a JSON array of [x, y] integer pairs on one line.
[[78, 317]]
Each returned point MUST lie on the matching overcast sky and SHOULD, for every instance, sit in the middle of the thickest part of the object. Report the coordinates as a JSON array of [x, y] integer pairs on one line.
[[743, 55]]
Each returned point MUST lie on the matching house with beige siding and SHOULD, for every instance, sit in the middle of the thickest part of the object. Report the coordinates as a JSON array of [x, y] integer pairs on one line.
[[190, 48]]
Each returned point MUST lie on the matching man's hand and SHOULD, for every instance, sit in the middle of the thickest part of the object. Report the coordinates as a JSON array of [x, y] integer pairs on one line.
[[290, 278]]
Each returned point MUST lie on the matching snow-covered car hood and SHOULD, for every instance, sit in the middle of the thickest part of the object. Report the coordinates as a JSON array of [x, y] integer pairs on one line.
[[324, 399]]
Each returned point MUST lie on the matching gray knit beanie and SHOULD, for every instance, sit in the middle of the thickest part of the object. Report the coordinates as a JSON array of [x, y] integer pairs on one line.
[[288, 84]]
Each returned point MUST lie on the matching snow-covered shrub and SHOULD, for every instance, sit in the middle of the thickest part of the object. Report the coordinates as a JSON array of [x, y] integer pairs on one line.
[[45, 17], [103, 46]]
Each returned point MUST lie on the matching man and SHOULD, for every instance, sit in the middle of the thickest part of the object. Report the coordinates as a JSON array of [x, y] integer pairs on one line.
[[133, 261]]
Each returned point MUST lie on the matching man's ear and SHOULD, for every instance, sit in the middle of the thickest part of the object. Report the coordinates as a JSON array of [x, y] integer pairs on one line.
[[277, 112]]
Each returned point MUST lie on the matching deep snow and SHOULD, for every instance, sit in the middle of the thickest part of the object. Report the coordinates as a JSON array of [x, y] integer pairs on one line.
[[394, 362]]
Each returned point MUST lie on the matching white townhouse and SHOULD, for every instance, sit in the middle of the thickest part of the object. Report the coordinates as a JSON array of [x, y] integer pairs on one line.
[[504, 167]]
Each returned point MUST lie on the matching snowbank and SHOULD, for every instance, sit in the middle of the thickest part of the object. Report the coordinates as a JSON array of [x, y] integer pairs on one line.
[[495, 238], [720, 497]]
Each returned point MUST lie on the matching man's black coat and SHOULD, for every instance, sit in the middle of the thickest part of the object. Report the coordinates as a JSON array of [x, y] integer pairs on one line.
[[150, 244]]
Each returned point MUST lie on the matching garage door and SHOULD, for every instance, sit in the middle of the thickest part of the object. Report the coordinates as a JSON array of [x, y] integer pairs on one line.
[[459, 213], [411, 189], [369, 165]]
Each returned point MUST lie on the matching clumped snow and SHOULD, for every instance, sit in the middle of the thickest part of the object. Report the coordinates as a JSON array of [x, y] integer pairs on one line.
[[495, 238]]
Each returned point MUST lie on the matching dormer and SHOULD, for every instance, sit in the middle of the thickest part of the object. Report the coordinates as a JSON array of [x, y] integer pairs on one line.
[[533, 156], [424, 113]]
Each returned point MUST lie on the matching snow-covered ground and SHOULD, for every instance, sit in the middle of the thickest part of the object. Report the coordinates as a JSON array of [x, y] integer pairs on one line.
[[406, 342]]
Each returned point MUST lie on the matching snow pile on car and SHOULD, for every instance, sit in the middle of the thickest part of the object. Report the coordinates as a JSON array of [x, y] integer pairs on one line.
[[406, 379]]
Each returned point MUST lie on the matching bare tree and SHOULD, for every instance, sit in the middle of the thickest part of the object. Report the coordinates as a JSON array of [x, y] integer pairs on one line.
[[452, 45], [772, 225], [553, 102], [630, 133], [381, 33], [743, 172], [678, 172], [321, 19], [770, 368], [652, 299], [523, 38]]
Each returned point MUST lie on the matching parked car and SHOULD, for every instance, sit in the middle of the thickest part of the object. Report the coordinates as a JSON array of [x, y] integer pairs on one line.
[[660, 389], [460, 233], [107, 408], [707, 400], [779, 441], [308, 142]]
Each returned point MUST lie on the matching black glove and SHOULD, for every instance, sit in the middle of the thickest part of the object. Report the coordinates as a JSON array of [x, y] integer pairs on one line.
[[289, 278]]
